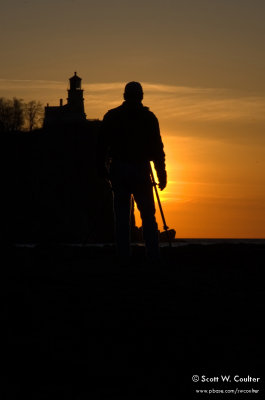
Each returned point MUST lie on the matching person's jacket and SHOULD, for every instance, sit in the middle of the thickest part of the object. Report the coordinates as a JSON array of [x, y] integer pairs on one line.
[[131, 132]]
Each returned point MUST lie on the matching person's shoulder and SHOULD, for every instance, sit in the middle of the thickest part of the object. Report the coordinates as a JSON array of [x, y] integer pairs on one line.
[[150, 114], [113, 112]]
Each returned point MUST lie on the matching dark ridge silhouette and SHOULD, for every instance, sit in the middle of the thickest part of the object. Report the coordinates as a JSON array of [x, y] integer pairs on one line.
[[50, 188], [79, 327]]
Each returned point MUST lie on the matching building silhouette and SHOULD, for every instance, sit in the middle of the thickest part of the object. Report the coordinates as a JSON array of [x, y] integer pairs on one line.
[[72, 112]]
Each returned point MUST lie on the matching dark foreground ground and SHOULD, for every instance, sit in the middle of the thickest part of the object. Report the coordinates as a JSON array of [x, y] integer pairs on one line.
[[77, 326]]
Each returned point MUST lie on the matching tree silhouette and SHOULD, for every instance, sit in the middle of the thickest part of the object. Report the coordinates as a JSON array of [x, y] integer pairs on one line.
[[17, 114], [11, 114], [33, 114]]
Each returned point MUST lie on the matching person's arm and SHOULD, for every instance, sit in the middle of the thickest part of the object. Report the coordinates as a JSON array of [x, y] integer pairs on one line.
[[159, 157]]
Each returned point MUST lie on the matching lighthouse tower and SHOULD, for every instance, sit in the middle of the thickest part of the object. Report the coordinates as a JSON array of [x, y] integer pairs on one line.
[[75, 98]]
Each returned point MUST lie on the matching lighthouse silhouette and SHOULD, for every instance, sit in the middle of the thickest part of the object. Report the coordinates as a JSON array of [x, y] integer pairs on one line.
[[72, 112]]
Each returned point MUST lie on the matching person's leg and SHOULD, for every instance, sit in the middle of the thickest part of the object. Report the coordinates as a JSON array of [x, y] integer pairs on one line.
[[143, 195]]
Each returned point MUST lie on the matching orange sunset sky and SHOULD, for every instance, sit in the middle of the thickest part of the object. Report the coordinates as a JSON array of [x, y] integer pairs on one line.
[[202, 67]]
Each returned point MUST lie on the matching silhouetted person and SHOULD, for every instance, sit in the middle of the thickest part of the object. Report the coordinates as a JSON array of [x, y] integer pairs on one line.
[[129, 140]]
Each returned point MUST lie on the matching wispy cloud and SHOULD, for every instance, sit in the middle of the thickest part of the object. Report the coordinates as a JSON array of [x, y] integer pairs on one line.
[[169, 102], [29, 84], [185, 103]]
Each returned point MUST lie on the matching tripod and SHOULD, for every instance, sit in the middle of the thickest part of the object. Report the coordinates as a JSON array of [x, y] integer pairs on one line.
[[154, 183]]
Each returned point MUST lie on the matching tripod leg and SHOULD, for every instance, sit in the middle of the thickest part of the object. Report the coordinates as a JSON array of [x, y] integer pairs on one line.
[[160, 206]]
